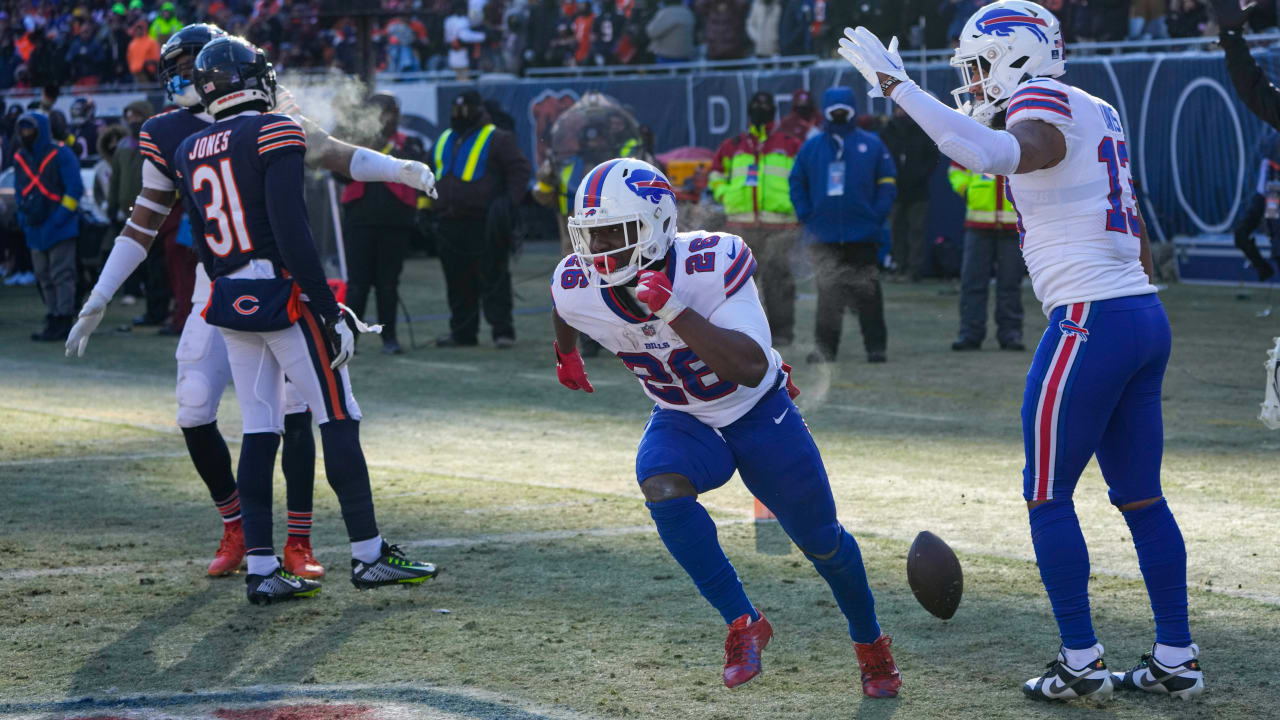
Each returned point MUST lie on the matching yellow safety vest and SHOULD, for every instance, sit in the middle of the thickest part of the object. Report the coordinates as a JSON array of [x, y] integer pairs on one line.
[[467, 162], [987, 205]]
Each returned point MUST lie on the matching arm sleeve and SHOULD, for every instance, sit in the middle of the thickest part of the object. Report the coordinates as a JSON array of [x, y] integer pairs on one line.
[[959, 136], [287, 213], [743, 313], [1258, 94], [886, 184]]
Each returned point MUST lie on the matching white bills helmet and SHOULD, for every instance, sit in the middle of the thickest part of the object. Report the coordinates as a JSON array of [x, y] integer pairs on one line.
[[634, 195], [1003, 44]]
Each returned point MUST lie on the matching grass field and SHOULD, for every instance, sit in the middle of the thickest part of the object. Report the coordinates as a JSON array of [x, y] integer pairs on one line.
[[562, 601]]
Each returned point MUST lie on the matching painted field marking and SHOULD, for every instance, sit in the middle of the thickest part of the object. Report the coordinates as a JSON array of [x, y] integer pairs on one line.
[[445, 702]]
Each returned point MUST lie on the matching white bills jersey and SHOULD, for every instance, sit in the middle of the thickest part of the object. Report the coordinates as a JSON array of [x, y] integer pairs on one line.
[[712, 275], [1079, 218]]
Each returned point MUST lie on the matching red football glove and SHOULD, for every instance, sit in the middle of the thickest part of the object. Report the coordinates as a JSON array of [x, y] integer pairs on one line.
[[792, 391], [571, 372], [654, 290]]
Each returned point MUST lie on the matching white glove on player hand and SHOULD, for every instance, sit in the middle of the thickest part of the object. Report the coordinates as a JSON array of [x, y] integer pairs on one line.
[[90, 317], [342, 341], [419, 177], [865, 52]]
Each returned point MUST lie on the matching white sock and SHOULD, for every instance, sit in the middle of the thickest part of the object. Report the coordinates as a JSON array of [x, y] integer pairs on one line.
[[262, 564], [1077, 659], [1171, 656], [370, 166], [367, 551]]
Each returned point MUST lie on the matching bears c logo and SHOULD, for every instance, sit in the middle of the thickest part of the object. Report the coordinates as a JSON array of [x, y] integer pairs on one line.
[[246, 304], [544, 110]]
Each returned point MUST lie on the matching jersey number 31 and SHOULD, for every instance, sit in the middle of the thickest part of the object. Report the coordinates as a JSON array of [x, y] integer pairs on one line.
[[224, 200]]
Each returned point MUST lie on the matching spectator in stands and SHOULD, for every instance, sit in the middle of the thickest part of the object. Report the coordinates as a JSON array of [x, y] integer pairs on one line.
[[794, 36], [670, 33], [803, 121], [475, 204], [916, 157], [378, 222], [1148, 20], [1187, 18], [605, 33], [991, 250], [44, 63], [582, 22], [47, 189], [956, 13], [763, 26], [749, 178], [723, 27], [165, 24], [143, 54], [1110, 19], [460, 39], [114, 39], [544, 18], [843, 188], [9, 61], [86, 57], [85, 127]]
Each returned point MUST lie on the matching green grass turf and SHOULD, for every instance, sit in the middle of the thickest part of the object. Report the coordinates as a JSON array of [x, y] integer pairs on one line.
[[560, 593]]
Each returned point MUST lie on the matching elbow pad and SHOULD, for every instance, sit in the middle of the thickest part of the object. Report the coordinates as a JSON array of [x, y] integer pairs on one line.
[[960, 137]]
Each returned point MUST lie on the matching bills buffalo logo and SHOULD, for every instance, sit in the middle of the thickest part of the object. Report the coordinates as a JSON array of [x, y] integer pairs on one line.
[[1070, 327], [544, 110], [650, 185], [246, 304], [1002, 23], [589, 212]]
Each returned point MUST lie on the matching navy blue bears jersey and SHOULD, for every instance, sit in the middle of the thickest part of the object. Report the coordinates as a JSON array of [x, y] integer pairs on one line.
[[161, 135], [241, 181]]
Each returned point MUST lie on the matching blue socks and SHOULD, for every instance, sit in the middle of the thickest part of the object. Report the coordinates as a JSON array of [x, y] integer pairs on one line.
[[1064, 570], [298, 461], [212, 459], [349, 477], [690, 536], [1162, 556], [253, 477], [844, 572]]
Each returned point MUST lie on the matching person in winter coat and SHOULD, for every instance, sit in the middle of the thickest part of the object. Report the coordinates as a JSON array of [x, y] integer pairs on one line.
[[671, 33], [916, 157], [763, 26], [723, 27], [842, 187], [47, 188]]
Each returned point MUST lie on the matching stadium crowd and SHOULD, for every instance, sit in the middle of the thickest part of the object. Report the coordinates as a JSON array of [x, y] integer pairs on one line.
[[64, 42]]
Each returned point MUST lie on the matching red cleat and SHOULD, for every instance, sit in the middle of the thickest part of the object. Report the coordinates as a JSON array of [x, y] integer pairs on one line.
[[880, 677], [742, 649], [299, 560], [230, 551]]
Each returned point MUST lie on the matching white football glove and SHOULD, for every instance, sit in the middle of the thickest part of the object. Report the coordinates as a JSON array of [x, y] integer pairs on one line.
[[342, 342], [865, 52], [90, 317], [419, 177]]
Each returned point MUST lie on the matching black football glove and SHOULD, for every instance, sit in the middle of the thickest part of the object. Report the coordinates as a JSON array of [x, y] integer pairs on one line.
[[1233, 14]]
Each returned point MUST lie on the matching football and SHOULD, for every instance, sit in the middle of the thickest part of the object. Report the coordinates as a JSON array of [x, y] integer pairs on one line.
[[933, 572]]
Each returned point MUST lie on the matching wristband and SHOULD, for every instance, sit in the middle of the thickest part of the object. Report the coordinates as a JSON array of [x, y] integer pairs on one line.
[[671, 310]]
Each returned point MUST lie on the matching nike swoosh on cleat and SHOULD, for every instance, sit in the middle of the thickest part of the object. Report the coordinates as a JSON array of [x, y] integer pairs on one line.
[[1056, 687], [778, 420], [292, 583]]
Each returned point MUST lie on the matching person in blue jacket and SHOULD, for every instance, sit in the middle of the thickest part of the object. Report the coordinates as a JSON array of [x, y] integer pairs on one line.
[[842, 186], [47, 189]]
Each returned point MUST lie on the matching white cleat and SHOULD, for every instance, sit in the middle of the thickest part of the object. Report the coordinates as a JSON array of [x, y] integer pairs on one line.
[[1185, 681], [1063, 682]]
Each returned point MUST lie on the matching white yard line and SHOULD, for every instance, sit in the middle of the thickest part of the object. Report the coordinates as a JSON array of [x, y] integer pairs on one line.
[[420, 701], [887, 413]]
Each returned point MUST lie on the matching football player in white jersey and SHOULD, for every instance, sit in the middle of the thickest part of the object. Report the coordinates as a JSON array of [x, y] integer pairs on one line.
[[1094, 385], [681, 311]]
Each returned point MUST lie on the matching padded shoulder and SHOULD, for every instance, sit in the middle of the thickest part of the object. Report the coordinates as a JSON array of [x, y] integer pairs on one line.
[[1043, 99]]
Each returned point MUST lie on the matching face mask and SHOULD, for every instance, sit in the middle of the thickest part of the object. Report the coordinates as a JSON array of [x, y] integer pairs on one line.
[[760, 115], [839, 117], [28, 140], [461, 118]]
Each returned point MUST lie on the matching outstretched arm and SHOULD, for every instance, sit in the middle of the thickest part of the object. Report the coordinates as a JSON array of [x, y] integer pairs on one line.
[[150, 208]]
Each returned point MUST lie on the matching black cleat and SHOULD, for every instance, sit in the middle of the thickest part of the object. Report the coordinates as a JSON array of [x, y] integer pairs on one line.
[[966, 344], [391, 568], [1184, 681], [279, 586], [1061, 682]]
